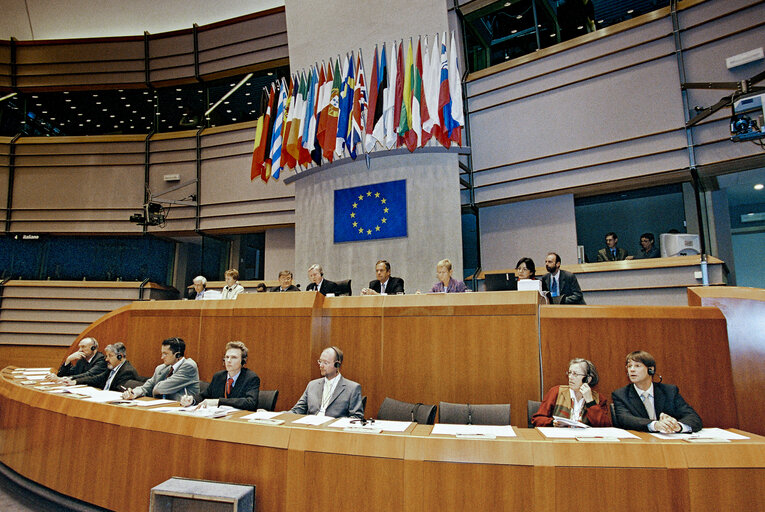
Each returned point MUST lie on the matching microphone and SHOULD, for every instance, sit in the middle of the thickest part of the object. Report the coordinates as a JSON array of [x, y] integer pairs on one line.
[[660, 379]]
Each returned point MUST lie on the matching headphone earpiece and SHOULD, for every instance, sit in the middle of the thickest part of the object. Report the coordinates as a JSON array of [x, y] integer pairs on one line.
[[177, 355], [92, 348], [337, 364], [651, 371], [586, 379], [119, 357]]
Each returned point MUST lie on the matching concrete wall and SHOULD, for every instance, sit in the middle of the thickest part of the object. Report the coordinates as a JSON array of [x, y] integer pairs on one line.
[[280, 254], [433, 215]]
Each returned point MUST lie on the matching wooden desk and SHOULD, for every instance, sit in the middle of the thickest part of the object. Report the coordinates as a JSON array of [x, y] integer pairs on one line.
[[57, 441]]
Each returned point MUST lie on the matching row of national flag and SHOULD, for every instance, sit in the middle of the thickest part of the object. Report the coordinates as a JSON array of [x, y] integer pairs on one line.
[[413, 98]]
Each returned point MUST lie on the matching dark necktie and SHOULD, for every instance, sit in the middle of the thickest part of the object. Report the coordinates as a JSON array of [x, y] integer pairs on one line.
[[613, 253], [170, 373], [554, 287], [229, 384]]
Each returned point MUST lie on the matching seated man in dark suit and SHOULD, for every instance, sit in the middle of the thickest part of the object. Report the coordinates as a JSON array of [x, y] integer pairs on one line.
[[611, 252], [332, 394], [235, 386], [384, 282], [121, 371], [177, 376], [85, 366], [648, 249], [285, 283], [318, 283], [563, 286], [651, 406]]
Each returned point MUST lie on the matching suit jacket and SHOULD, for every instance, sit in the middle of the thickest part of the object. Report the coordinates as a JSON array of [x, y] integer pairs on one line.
[[244, 394], [290, 288], [345, 401], [184, 379], [124, 374], [88, 373], [605, 254], [327, 286], [631, 413], [653, 252], [568, 287], [395, 285]]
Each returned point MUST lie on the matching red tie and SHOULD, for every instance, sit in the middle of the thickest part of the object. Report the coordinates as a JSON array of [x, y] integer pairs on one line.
[[170, 372], [229, 383]]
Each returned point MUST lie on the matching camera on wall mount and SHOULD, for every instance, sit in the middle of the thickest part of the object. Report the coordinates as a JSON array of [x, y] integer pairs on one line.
[[747, 120], [153, 215]]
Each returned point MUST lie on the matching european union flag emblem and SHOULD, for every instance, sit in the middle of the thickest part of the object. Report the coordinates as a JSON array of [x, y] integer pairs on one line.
[[370, 212]]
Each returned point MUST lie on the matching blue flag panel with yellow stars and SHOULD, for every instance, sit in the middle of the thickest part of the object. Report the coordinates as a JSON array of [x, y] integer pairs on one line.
[[370, 212]]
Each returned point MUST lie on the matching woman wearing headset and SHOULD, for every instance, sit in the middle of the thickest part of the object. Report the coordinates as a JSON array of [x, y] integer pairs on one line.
[[576, 401]]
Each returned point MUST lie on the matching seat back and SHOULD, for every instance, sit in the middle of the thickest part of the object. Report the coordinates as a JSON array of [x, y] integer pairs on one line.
[[614, 422], [267, 399], [474, 414], [397, 410], [532, 406], [344, 287]]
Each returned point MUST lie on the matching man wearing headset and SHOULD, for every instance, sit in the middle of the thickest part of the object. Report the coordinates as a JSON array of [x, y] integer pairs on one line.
[[177, 376], [235, 386], [318, 283], [651, 406], [85, 366], [332, 394], [120, 369]]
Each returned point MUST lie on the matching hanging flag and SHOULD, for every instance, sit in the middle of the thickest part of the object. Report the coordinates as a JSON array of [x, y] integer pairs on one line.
[[378, 128], [359, 110], [432, 84], [346, 103], [333, 112], [399, 108], [405, 124], [308, 141], [389, 111], [297, 110], [316, 151], [444, 98], [325, 93], [369, 142], [457, 118], [425, 106], [276, 137], [258, 152], [287, 161], [268, 128]]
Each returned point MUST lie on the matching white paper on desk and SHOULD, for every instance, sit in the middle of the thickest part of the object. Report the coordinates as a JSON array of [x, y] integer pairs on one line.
[[102, 396], [568, 422], [384, 425], [31, 370], [704, 433], [33, 376], [313, 420], [471, 430], [261, 415], [573, 433], [148, 403]]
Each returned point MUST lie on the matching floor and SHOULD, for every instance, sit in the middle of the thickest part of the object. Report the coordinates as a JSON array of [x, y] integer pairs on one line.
[[14, 498]]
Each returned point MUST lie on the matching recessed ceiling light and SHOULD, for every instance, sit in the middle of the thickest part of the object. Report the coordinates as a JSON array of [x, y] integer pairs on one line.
[[79, 113], [146, 92], [44, 111], [68, 100], [177, 99], [120, 90], [233, 119], [630, 11], [143, 117], [98, 126], [95, 95], [122, 122], [82, 124], [52, 118], [552, 35], [66, 92], [98, 103], [513, 32], [520, 16], [127, 105], [759, 186], [103, 110], [178, 90], [35, 97], [123, 98], [73, 107], [112, 116]]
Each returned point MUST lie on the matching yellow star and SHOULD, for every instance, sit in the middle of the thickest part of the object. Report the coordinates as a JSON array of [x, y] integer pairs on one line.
[[385, 210], [355, 224], [369, 193], [353, 214], [361, 198], [361, 230], [369, 231], [383, 200], [377, 194], [377, 228], [384, 220], [355, 205]]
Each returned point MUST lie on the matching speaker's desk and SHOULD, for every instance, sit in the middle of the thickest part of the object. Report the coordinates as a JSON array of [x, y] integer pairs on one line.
[[112, 456]]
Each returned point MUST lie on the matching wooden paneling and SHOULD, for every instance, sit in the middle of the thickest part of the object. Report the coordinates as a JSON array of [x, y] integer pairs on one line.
[[690, 345], [744, 310], [32, 355]]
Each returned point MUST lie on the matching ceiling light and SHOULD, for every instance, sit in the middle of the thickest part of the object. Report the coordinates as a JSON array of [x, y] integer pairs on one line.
[[630, 11], [122, 122], [580, 27], [178, 90], [81, 124], [98, 126], [68, 100], [127, 105], [514, 31], [35, 97], [79, 113], [146, 92], [103, 110], [95, 95], [759, 186], [177, 99], [508, 4], [112, 116], [73, 107], [52, 118], [123, 98], [120, 90], [170, 127], [143, 117], [233, 119], [98, 103], [520, 16], [44, 111], [552, 35], [66, 92]]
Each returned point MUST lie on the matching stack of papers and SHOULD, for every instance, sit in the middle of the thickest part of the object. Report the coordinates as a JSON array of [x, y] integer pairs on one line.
[[488, 431], [381, 425], [574, 433], [313, 420], [261, 415], [202, 412], [711, 434]]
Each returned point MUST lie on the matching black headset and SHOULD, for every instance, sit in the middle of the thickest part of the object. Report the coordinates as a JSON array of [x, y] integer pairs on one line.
[[119, 357], [338, 357], [93, 348], [651, 370]]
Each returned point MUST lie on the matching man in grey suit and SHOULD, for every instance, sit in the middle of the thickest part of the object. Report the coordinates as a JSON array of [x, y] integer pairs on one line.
[[332, 394], [563, 286], [177, 376], [610, 252]]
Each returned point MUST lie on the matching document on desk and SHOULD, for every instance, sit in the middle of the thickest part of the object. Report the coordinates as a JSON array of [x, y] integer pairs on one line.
[[261, 415], [568, 422], [313, 420], [473, 430], [31, 370], [101, 396], [384, 425], [704, 433], [33, 376], [146, 403], [573, 433]]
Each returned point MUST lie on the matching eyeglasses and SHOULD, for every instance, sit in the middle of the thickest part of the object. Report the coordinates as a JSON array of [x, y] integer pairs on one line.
[[570, 373], [325, 363]]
